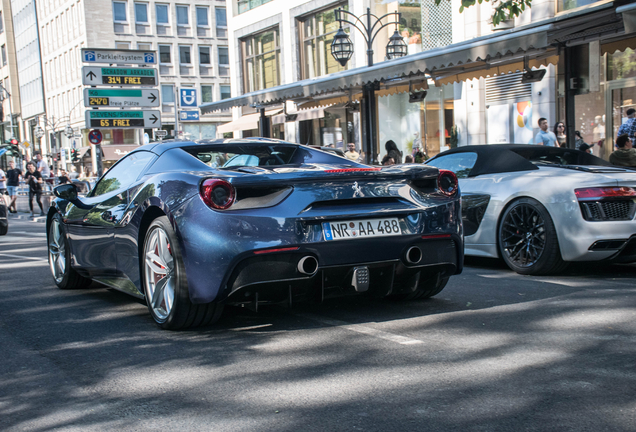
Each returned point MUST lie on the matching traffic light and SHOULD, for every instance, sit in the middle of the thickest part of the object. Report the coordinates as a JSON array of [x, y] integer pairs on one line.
[[74, 156]]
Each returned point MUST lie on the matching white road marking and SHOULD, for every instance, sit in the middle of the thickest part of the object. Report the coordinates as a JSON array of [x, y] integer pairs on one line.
[[556, 281], [23, 257], [359, 328], [251, 327]]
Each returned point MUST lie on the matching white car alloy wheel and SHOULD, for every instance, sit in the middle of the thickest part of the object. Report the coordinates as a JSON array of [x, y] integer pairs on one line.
[[159, 273], [57, 251]]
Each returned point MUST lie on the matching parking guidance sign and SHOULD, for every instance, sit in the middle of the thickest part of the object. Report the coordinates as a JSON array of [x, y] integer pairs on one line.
[[98, 119], [134, 57]]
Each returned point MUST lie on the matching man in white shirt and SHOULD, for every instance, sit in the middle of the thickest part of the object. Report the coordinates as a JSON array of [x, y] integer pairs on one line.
[[545, 137], [43, 167]]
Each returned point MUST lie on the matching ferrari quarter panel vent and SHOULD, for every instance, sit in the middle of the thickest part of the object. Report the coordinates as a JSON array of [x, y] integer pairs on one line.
[[424, 185], [599, 211]]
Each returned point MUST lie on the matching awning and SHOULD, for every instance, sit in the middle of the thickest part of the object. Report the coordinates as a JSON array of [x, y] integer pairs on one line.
[[246, 122], [269, 96], [629, 17], [114, 152], [495, 47], [84, 151], [493, 70], [508, 45], [309, 114], [620, 45]]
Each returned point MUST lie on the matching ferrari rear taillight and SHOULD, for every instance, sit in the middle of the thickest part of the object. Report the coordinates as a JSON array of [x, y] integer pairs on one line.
[[447, 182], [604, 192], [217, 194]]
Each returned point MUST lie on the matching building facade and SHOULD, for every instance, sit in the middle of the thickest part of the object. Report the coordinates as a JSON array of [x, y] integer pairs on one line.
[[9, 84], [189, 37], [472, 73]]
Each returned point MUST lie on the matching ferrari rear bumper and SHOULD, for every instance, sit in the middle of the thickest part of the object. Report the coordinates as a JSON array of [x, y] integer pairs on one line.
[[392, 266]]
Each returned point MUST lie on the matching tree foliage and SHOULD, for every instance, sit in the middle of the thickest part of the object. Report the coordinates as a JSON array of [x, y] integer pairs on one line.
[[502, 9]]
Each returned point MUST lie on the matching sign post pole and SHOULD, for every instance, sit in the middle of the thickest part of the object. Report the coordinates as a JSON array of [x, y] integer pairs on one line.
[[176, 113]]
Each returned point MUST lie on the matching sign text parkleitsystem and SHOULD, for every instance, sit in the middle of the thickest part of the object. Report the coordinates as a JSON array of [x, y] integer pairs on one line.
[[139, 57]]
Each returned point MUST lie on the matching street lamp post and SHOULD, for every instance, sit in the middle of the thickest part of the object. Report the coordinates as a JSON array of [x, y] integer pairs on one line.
[[342, 50]]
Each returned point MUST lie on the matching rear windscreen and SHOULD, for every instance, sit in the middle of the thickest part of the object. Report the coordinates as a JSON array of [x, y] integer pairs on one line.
[[559, 156], [244, 155]]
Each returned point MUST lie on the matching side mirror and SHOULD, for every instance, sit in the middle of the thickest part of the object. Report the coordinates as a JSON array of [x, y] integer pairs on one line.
[[67, 192]]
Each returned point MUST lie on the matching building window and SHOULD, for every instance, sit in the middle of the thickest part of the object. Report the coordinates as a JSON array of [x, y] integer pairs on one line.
[[167, 94], [184, 55], [246, 5], [2, 23], [4, 55], [261, 60], [182, 16], [164, 54], [221, 22], [162, 14], [119, 11], [141, 13], [144, 46], [226, 92], [202, 17], [122, 45], [564, 5], [224, 61], [204, 55], [317, 32], [206, 93]]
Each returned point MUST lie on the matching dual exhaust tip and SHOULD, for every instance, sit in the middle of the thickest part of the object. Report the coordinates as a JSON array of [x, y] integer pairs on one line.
[[413, 255], [308, 265]]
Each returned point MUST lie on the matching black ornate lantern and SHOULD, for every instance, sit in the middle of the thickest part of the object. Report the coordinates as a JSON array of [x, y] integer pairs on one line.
[[396, 47], [341, 47]]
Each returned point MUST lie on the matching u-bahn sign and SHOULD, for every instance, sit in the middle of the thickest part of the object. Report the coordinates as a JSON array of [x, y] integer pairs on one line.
[[139, 98], [98, 119], [116, 76]]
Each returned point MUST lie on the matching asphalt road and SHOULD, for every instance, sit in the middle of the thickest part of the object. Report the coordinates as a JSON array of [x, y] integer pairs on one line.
[[494, 351]]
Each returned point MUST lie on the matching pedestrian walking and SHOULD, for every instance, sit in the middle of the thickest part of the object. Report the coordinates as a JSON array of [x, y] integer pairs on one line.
[[42, 166], [393, 152], [629, 127], [13, 182], [34, 180], [545, 137], [351, 153], [559, 131]]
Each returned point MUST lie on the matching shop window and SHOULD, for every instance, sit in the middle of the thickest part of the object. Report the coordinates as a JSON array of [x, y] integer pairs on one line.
[[622, 64], [317, 32], [261, 60]]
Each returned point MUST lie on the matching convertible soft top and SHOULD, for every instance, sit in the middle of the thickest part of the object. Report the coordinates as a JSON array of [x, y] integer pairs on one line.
[[500, 158]]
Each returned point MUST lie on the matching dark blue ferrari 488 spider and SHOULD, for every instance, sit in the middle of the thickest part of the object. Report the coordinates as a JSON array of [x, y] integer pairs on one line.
[[193, 226]]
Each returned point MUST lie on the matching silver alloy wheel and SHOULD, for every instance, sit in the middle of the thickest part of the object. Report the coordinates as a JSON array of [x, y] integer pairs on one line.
[[57, 251], [159, 272]]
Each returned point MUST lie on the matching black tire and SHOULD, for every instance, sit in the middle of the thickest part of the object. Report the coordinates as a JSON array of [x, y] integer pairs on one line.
[[4, 219], [167, 297], [527, 240], [63, 273], [426, 288]]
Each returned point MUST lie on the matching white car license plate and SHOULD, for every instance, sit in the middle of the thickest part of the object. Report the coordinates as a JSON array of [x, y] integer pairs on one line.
[[347, 230]]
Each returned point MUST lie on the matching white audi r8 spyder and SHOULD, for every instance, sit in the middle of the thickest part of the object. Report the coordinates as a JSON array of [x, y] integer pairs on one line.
[[539, 208]]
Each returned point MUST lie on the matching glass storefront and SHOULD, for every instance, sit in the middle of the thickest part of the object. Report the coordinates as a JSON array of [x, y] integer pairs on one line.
[[197, 131], [428, 124]]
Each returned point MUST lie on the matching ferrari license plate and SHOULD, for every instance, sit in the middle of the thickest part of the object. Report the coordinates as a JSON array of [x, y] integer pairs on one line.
[[347, 230]]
